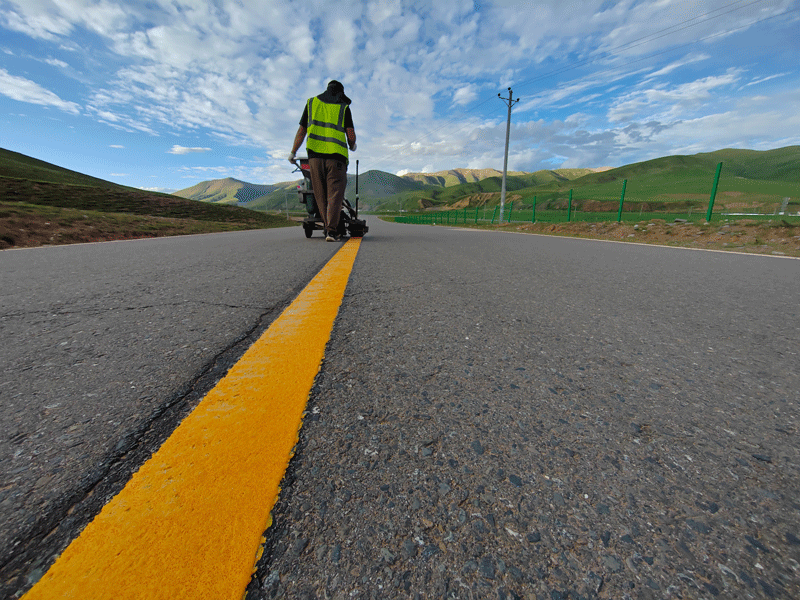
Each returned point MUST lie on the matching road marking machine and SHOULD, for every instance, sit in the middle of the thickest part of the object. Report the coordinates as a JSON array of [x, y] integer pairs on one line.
[[349, 223]]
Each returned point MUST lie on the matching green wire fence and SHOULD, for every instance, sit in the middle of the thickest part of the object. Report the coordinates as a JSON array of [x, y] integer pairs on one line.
[[561, 207]]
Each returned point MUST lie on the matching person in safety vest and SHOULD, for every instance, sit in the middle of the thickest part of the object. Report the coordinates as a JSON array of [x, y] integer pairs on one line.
[[329, 125]]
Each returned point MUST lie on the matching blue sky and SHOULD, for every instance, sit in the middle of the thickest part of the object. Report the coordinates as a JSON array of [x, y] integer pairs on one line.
[[164, 94]]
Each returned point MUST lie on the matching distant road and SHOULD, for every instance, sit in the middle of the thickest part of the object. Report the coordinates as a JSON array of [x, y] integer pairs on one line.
[[495, 412]]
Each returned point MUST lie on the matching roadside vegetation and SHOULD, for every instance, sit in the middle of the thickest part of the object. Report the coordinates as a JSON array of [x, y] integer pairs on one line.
[[41, 204], [756, 208], [44, 204], [750, 182]]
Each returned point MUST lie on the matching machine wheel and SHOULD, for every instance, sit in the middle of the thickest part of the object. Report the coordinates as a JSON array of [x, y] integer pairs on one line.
[[308, 230]]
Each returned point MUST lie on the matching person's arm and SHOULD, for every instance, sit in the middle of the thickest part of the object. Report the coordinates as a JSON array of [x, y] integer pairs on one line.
[[350, 129], [298, 140]]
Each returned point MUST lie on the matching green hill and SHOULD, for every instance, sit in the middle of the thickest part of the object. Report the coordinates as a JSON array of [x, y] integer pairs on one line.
[[372, 186], [19, 166], [478, 193], [758, 179], [452, 177], [226, 191], [41, 203], [378, 189], [781, 164], [749, 178], [773, 165]]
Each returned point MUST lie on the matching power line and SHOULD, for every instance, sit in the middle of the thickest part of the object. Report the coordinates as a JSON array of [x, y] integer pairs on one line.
[[615, 51], [655, 36], [667, 51]]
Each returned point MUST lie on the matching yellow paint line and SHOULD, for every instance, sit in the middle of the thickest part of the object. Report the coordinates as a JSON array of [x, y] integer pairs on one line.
[[189, 523]]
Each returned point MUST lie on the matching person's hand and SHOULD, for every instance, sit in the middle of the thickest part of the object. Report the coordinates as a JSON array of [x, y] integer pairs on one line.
[[353, 147], [291, 158]]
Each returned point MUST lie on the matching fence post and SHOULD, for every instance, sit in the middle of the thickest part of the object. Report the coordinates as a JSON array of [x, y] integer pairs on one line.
[[533, 218], [510, 208], [569, 208], [621, 200], [476, 214], [713, 193], [495, 214]]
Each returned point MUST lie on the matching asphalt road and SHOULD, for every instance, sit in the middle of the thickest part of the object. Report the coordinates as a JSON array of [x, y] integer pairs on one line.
[[498, 415], [105, 348], [511, 416]]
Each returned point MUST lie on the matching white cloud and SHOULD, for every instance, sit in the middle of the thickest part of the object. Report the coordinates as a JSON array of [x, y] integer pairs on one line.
[[117, 146], [38, 18], [465, 95], [176, 149], [25, 90], [218, 169], [57, 63], [161, 190], [670, 102], [423, 75], [679, 64], [765, 79], [341, 45]]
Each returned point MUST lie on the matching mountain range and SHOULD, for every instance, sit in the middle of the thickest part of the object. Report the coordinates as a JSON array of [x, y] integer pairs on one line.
[[377, 189], [748, 176], [765, 180]]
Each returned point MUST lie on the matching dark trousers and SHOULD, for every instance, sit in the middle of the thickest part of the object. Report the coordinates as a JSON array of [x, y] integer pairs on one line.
[[329, 180]]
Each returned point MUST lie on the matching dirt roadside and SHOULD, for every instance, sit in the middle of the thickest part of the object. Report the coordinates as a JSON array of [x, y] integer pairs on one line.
[[778, 238], [30, 226]]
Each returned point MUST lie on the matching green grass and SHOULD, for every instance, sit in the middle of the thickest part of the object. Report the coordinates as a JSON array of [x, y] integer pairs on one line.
[[750, 182], [19, 166], [41, 203], [125, 200]]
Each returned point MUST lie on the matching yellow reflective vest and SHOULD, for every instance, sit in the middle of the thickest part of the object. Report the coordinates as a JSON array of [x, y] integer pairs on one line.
[[326, 132]]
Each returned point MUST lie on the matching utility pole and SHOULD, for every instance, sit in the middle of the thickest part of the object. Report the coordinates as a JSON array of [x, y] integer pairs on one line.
[[510, 103]]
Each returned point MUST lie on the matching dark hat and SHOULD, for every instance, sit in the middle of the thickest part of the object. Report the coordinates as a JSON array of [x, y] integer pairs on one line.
[[334, 94]]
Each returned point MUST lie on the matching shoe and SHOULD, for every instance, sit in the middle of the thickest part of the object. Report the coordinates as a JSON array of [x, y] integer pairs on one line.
[[330, 238]]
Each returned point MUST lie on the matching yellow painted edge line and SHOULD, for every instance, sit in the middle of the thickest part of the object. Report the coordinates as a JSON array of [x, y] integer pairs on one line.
[[189, 523]]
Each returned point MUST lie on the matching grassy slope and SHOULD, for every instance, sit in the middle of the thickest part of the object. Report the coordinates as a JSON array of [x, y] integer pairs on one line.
[[19, 166], [477, 193], [452, 177], [748, 177], [373, 186], [226, 191], [376, 188], [75, 202]]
